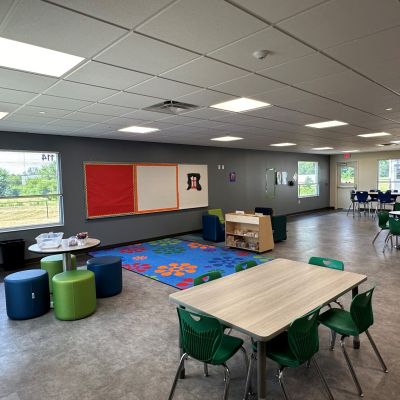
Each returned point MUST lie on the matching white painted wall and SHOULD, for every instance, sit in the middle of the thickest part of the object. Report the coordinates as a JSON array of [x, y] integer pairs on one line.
[[367, 170]]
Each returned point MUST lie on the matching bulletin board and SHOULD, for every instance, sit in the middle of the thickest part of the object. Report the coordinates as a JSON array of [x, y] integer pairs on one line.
[[193, 186], [109, 189], [156, 188]]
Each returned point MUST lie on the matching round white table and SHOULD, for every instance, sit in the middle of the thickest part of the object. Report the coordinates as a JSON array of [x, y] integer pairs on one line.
[[65, 250], [396, 214]]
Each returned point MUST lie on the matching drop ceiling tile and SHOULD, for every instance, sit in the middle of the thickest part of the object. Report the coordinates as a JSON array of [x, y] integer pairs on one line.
[[70, 123], [24, 81], [82, 116], [29, 119], [162, 88], [339, 21], [207, 113], [144, 54], [15, 96], [201, 26], [131, 100], [5, 6], [205, 98], [106, 109], [59, 29], [272, 12], [204, 123], [108, 76], [248, 85], [178, 119], [282, 96], [8, 107], [145, 115], [62, 103], [47, 112], [281, 114], [204, 72], [121, 122], [79, 91], [126, 13], [303, 69], [282, 47]]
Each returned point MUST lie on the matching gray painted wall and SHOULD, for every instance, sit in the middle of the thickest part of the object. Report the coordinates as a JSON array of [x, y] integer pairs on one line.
[[247, 192]]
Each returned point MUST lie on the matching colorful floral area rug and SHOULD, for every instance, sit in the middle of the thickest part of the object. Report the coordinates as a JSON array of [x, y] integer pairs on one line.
[[177, 262]]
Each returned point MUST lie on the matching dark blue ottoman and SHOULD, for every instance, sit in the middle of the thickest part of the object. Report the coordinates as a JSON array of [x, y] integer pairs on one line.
[[108, 275], [27, 294]]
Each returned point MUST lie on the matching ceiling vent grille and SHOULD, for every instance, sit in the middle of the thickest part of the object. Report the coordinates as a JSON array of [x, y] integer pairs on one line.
[[172, 107]]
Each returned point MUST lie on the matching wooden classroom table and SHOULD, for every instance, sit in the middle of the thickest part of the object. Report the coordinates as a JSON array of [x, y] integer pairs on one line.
[[264, 300]]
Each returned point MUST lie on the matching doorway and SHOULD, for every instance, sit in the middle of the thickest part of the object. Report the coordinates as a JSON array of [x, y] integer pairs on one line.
[[346, 178]]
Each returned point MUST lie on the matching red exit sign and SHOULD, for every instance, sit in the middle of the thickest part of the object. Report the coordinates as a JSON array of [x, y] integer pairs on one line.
[[346, 155]]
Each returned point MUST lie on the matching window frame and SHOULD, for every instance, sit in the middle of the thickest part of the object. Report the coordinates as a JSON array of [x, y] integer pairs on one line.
[[392, 184], [58, 195], [316, 184]]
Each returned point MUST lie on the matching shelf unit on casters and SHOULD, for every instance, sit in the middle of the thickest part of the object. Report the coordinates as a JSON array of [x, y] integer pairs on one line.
[[249, 232]]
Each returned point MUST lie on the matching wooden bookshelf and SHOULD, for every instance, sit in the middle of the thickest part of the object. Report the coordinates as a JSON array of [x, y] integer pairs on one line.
[[249, 232]]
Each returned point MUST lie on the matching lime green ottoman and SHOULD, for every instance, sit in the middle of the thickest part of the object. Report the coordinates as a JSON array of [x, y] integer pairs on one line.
[[54, 265], [74, 294]]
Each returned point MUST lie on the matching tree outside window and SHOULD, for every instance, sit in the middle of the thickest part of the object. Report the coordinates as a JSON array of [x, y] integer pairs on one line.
[[308, 185]]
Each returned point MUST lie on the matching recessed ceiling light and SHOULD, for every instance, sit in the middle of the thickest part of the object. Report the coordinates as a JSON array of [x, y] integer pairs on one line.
[[395, 141], [283, 144], [42, 112], [377, 134], [138, 129], [26, 57], [227, 138], [350, 151], [242, 104], [380, 145], [389, 109], [326, 124], [3, 114], [322, 148]]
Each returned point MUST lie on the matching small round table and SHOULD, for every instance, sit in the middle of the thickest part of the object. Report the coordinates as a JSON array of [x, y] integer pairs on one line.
[[65, 250]]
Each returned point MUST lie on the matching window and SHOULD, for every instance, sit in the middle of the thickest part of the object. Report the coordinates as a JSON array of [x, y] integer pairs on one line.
[[388, 175], [30, 190], [346, 175], [308, 185]]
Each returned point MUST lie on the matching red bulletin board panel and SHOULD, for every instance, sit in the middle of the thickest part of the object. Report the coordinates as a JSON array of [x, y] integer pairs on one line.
[[109, 189]]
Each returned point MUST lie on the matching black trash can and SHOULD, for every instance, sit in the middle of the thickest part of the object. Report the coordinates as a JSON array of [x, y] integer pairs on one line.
[[13, 253]]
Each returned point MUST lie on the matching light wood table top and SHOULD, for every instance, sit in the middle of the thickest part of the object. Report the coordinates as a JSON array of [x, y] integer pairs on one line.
[[395, 213], [264, 300]]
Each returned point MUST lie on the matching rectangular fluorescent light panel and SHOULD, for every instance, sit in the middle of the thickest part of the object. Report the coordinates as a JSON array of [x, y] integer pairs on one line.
[[326, 124], [227, 138], [138, 129], [395, 141], [283, 144], [377, 134], [26, 57], [242, 104], [322, 148], [3, 114], [350, 151]]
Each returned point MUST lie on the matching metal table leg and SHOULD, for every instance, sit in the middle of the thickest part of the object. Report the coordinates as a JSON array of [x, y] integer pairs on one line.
[[356, 339], [262, 370], [67, 262]]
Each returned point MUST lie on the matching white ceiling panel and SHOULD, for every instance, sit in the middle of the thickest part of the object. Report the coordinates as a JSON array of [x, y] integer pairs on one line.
[[5, 6], [43, 111], [106, 109], [80, 91], [59, 29], [340, 21], [248, 85], [281, 46], [15, 96], [82, 116], [205, 98], [62, 103], [178, 119], [18, 80], [207, 113], [204, 72], [282, 96], [70, 123], [145, 115], [144, 54], [8, 107], [163, 88], [125, 13], [273, 11], [108, 76], [121, 122], [35, 120], [201, 26], [303, 69], [281, 114], [131, 100]]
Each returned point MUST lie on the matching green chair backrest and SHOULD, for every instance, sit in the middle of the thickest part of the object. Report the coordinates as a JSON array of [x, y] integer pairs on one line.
[[396, 207], [245, 265], [361, 310], [383, 218], [218, 213], [209, 276], [303, 336], [394, 226], [200, 335], [327, 262]]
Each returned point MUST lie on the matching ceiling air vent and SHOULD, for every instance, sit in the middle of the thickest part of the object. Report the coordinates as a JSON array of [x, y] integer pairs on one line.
[[172, 107]]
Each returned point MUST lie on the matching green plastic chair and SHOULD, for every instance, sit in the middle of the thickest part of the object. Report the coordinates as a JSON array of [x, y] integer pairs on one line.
[[394, 231], [245, 265], [209, 276], [293, 348], [327, 262], [383, 218], [396, 207], [352, 323], [218, 212], [203, 339]]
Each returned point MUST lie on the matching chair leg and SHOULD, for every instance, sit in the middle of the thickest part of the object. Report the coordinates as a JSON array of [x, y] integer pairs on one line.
[[205, 369], [351, 205], [377, 352], [333, 340], [227, 376], [386, 242], [352, 372], [376, 236], [321, 376], [181, 364], [247, 388], [280, 379]]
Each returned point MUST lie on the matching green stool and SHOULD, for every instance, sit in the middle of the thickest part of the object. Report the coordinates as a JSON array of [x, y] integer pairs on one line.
[[54, 265], [74, 294]]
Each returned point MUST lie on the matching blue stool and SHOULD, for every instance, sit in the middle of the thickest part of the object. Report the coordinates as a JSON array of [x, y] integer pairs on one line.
[[108, 275], [27, 294]]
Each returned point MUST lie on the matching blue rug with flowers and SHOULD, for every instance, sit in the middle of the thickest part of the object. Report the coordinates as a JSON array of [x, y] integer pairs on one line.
[[176, 262]]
